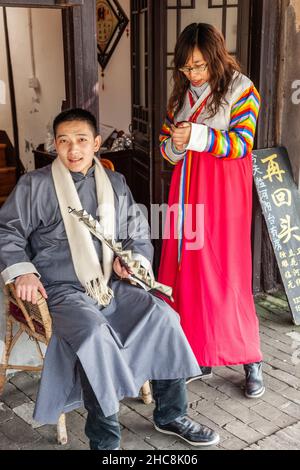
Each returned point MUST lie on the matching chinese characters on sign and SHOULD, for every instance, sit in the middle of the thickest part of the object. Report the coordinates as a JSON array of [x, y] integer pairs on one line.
[[280, 203]]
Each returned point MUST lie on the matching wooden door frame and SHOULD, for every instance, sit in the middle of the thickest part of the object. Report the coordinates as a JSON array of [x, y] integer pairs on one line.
[[263, 63], [159, 88], [81, 59], [160, 95], [159, 105], [258, 43], [41, 3], [259, 22], [80, 51]]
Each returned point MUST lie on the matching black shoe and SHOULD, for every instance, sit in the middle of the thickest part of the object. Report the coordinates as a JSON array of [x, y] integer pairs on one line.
[[194, 433], [254, 380], [206, 374]]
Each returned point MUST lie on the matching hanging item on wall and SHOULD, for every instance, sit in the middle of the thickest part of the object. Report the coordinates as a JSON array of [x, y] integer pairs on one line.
[[111, 23]]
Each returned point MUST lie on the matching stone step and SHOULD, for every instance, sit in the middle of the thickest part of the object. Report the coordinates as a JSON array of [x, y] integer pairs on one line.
[[2, 155], [7, 180]]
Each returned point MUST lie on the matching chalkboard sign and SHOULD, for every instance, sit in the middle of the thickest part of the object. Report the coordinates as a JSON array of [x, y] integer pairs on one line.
[[280, 202]]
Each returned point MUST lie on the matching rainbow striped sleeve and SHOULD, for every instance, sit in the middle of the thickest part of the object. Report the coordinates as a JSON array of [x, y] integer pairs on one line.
[[238, 141], [165, 134]]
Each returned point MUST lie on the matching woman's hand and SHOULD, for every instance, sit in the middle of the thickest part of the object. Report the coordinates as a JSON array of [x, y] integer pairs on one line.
[[181, 135], [120, 270], [27, 287]]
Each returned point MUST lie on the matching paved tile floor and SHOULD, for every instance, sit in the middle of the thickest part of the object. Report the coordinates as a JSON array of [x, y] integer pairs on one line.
[[270, 422]]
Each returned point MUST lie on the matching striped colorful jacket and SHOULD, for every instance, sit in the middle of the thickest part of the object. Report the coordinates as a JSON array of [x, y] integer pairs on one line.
[[229, 134]]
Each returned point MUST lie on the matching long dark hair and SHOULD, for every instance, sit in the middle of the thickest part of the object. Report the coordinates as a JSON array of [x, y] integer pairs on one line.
[[221, 65]]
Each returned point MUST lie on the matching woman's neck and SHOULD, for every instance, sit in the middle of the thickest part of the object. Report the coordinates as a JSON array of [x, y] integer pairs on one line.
[[198, 90]]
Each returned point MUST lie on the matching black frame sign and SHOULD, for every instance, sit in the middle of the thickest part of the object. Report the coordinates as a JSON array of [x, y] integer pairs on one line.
[[111, 23], [280, 201]]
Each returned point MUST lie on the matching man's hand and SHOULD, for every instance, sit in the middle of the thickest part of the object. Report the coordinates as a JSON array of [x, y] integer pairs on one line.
[[27, 287], [119, 270], [181, 135]]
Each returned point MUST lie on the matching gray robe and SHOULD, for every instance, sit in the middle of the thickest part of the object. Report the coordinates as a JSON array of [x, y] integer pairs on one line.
[[136, 338]]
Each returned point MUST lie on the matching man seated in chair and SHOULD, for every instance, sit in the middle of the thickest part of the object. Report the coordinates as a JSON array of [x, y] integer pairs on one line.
[[109, 336]]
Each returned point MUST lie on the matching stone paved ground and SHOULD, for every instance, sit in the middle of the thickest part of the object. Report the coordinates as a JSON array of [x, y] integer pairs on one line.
[[271, 422]]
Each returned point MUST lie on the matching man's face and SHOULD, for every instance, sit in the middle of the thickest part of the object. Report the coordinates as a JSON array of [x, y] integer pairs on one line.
[[76, 145]]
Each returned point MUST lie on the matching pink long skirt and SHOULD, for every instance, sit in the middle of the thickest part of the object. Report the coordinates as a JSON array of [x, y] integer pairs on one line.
[[212, 284]]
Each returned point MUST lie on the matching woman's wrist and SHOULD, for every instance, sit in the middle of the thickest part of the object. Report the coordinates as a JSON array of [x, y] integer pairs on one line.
[[199, 138], [178, 151]]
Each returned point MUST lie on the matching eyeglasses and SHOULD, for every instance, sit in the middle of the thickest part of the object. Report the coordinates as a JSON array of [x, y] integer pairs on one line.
[[197, 69]]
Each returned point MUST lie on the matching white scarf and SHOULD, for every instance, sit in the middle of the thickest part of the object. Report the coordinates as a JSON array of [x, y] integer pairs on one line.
[[84, 256]]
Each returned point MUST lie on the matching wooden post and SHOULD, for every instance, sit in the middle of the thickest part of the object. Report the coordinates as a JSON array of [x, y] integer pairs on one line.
[[19, 165], [81, 63], [263, 70]]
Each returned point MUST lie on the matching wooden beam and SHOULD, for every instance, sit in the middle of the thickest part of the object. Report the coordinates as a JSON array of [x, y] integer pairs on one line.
[[264, 70], [12, 94], [269, 72], [243, 34], [80, 51], [159, 103], [41, 3], [81, 62]]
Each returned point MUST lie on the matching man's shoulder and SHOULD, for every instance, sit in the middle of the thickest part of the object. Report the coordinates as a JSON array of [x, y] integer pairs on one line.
[[38, 175], [117, 180]]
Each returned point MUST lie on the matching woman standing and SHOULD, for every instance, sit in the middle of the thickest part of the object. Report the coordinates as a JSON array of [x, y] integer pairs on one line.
[[208, 135]]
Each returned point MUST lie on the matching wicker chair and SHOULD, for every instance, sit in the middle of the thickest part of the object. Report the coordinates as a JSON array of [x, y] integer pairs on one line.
[[108, 164], [35, 320]]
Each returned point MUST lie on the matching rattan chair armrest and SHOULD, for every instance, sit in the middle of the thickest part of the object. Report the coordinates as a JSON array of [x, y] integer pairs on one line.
[[38, 311]]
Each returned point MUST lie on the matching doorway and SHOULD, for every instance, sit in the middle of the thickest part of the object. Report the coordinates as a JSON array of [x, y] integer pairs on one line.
[[76, 62]]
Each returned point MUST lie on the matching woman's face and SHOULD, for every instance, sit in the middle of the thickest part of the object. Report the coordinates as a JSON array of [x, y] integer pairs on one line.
[[196, 68]]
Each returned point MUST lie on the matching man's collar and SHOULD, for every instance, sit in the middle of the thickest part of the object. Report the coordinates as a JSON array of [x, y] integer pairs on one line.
[[78, 176]]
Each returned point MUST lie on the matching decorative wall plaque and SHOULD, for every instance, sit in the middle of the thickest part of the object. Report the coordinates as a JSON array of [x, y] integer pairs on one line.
[[111, 23]]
